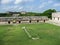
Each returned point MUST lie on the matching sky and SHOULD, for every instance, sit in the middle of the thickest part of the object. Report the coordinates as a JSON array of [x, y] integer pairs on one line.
[[28, 5]]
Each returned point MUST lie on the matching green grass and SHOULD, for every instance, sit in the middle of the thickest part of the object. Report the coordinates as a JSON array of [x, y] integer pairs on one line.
[[14, 35]]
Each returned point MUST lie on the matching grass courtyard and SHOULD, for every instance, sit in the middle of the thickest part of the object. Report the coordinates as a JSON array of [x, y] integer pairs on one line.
[[14, 34]]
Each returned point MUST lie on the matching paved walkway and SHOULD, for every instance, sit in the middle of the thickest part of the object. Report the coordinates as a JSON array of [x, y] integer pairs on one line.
[[6, 23], [51, 22]]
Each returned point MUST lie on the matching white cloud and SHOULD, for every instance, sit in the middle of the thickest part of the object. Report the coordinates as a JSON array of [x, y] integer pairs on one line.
[[12, 8], [29, 0], [9, 7], [42, 5], [20, 8], [50, 1], [6, 1], [20, 1], [45, 4], [14, 1], [17, 1], [56, 4]]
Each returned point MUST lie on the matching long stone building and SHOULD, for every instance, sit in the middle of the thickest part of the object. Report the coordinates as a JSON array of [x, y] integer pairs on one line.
[[19, 19], [24, 18]]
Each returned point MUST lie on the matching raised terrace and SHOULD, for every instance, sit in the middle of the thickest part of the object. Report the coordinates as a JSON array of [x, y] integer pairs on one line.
[[24, 18]]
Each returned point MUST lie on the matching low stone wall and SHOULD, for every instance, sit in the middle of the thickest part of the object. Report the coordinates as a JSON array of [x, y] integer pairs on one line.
[[21, 22], [3, 22], [23, 19]]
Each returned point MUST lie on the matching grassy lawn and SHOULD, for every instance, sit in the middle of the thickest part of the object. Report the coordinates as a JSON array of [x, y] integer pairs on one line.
[[14, 35]]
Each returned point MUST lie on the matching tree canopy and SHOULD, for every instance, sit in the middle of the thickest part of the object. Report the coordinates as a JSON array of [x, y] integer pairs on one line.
[[48, 13]]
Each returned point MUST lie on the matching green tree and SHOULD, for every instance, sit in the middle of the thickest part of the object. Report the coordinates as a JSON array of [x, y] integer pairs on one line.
[[49, 13]]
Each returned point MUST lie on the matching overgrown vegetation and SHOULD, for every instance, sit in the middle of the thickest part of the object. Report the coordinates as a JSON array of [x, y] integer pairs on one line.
[[47, 13]]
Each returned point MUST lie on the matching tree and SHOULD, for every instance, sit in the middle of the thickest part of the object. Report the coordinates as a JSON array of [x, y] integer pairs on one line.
[[49, 13], [3, 14]]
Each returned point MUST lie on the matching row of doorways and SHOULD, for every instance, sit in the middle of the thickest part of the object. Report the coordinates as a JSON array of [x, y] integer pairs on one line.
[[30, 21]]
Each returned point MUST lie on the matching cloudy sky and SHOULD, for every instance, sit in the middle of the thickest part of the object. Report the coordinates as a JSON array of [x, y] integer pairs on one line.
[[29, 5]]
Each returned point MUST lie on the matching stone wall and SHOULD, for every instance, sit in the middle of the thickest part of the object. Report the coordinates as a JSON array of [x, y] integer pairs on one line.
[[24, 19], [56, 17]]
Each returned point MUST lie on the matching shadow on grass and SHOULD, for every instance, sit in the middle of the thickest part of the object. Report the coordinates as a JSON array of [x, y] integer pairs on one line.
[[1, 42], [58, 42]]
